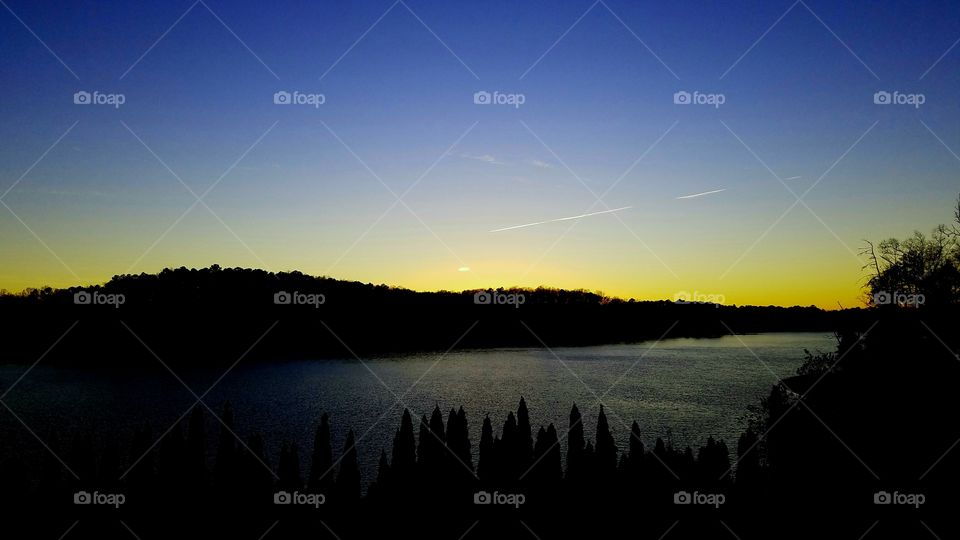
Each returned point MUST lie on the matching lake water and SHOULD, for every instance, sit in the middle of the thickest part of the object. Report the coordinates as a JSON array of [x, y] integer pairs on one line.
[[685, 389]]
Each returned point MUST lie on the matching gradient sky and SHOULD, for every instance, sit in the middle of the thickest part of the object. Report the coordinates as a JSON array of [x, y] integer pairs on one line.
[[199, 88]]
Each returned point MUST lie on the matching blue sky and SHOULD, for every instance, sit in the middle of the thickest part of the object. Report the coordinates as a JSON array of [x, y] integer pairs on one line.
[[199, 94]]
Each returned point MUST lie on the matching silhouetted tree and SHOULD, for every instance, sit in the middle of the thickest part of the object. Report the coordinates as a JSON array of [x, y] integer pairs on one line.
[[348, 480], [486, 461], [321, 465], [576, 463], [289, 468]]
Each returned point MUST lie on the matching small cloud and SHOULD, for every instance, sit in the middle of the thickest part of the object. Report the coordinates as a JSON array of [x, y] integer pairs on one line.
[[463, 269], [486, 158], [701, 194], [541, 164]]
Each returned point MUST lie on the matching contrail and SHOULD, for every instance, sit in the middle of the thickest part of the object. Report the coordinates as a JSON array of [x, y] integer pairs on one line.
[[561, 219], [702, 194], [793, 178]]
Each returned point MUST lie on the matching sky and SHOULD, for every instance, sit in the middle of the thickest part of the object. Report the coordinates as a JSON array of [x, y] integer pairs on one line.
[[422, 126]]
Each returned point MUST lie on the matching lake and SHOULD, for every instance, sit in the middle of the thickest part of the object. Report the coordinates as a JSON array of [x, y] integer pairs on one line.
[[681, 389]]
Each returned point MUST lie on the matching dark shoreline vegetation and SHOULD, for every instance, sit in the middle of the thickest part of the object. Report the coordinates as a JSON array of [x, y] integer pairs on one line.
[[860, 437], [194, 316]]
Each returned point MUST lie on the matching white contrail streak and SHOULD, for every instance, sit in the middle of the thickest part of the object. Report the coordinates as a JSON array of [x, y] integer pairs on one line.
[[793, 178], [702, 194], [561, 219]]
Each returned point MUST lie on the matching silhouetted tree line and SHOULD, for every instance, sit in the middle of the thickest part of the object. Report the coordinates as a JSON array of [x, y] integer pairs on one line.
[[216, 314]]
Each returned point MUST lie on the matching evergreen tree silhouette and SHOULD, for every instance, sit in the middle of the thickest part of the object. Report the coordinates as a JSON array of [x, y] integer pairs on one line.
[[321, 466], [196, 450], [576, 463], [486, 461], [289, 468], [524, 445], [635, 457], [606, 449], [404, 455], [347, 488], [140, 477], [553, 471], [225, 467], [256, 475]]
